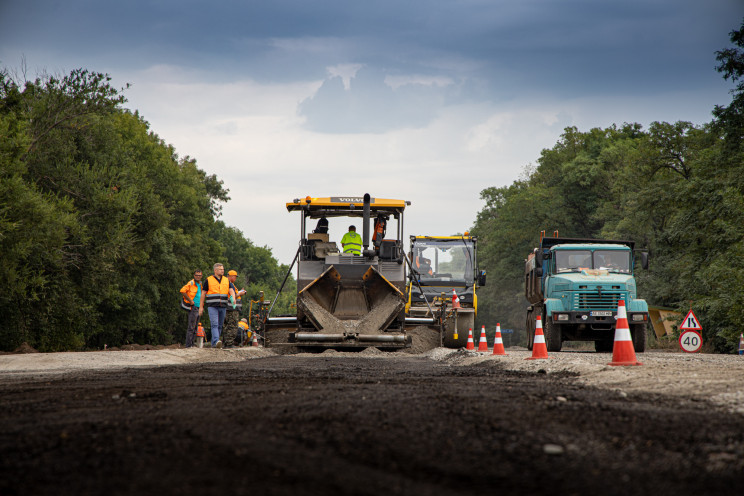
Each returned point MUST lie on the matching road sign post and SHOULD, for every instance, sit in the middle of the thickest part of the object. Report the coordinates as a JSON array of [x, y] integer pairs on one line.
[[690, 339]]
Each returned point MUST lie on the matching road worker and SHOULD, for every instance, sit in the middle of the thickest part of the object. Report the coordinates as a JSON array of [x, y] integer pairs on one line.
[[244, 331], [234, 306], [190, 301], [216, 293], [352, 242]]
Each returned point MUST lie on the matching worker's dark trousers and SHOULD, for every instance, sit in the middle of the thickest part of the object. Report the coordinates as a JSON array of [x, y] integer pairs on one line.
[[191, 329]]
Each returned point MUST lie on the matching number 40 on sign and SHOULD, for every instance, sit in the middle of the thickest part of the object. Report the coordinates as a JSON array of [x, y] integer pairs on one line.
[[690, 340]]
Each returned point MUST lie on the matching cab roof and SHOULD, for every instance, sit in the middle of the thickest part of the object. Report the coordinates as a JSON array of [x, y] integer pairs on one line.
[[350, 206], [466, 237]]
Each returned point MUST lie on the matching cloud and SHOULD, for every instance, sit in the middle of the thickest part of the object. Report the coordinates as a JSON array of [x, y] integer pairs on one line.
[[371, 102]]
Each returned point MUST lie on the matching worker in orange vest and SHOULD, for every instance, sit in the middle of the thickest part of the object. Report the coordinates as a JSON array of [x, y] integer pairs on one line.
[[216, 294], [200, 335], [190, 301]]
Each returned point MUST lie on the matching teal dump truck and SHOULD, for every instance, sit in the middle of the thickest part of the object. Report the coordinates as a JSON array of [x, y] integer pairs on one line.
[[574, 285]]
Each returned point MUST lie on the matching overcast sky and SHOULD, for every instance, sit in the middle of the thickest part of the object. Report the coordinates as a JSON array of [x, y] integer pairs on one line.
[[427, 101]]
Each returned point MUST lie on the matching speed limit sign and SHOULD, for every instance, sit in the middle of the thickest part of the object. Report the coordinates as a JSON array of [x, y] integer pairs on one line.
[[690, 341]]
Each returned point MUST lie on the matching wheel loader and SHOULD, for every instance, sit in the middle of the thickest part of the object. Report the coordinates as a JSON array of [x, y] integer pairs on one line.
[[344, 300], [445, 268]]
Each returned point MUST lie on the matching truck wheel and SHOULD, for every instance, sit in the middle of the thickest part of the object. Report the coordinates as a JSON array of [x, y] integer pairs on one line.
[[638, 334], [553, 335], [529, 329], [604, 345]]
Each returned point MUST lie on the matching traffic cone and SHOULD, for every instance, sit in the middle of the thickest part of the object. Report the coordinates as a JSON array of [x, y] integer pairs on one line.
[[255, 340], [498, 343], [539, 348], [471, 344], [622, 351], [741, 344], [455, 300], [483, 344]]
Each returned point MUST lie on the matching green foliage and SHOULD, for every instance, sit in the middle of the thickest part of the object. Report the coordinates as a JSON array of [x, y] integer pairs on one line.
[[101, 223], [676, 189]]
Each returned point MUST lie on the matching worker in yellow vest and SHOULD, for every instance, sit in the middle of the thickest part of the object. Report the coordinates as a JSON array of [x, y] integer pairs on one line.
[[352, 242], [216, 292]]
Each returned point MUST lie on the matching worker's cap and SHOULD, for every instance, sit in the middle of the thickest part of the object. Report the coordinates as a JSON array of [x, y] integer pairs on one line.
[[244, 320], [232, 273]]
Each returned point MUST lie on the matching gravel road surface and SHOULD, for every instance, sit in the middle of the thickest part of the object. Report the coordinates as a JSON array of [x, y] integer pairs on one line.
[[440, 422]]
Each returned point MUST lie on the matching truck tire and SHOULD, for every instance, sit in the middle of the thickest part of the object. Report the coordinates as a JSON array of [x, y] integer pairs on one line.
[[529, 329], [638, 334], [553, 335]]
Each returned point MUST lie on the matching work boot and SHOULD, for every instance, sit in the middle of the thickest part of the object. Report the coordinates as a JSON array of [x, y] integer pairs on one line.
[[219, 344]]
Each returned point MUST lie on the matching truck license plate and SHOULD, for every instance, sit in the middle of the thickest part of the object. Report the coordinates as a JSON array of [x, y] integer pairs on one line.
[[598, 313]]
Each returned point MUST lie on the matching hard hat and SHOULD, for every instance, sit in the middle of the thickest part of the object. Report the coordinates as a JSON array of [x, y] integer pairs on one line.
[[232, 273]]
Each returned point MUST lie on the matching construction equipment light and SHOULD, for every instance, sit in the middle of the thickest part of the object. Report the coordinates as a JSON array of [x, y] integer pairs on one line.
[[639, 316], [562, 316]]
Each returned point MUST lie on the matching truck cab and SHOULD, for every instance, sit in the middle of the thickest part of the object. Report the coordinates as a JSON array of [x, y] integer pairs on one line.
[[575, 285]]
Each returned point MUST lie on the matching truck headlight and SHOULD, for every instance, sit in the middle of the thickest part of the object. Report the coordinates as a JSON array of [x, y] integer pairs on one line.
[[562, 316], [638, 316]]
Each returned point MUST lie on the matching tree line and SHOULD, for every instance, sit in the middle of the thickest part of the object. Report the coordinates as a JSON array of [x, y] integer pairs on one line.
[[676, 189], [101, 221]]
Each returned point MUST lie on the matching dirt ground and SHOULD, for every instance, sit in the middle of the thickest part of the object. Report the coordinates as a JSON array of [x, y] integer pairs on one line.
[[438, 422]]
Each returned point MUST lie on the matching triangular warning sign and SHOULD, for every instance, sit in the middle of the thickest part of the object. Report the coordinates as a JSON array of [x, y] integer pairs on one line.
[[691, 323]]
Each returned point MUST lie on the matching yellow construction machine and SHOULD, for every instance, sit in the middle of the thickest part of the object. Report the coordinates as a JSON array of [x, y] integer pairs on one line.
[[344, 300], [444, 268]]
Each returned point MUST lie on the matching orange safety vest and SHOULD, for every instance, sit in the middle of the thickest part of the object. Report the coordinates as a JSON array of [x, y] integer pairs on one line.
[[191, 288], [218, 293], [244, 326], [418, 266]]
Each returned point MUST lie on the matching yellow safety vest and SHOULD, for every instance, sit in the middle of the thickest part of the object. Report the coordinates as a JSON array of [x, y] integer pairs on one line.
[[352, 243]]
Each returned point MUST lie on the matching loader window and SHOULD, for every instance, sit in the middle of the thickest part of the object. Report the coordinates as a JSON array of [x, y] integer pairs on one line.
[[572, 260], [449, 261]]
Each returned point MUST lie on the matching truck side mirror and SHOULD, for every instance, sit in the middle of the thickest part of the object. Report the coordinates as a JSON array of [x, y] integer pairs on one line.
[[644, 260], [482, 278]]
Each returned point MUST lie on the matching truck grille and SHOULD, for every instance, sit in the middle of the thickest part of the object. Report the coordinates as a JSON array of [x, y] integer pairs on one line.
[[595, 300]]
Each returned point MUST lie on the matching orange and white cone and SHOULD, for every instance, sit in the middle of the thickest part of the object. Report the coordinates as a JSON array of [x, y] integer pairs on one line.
[[455, 300], [622, 351], [255, 339], [539, 348], [483, 344], [498, 343], [471, 344]]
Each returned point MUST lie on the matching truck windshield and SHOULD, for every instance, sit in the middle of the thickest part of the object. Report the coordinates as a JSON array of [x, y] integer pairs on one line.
[[578, 260], [443, 260], [612, 260], [572, 260]]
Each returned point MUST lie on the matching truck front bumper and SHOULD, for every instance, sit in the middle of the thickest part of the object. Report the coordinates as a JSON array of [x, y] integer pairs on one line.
[[596, 317]]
